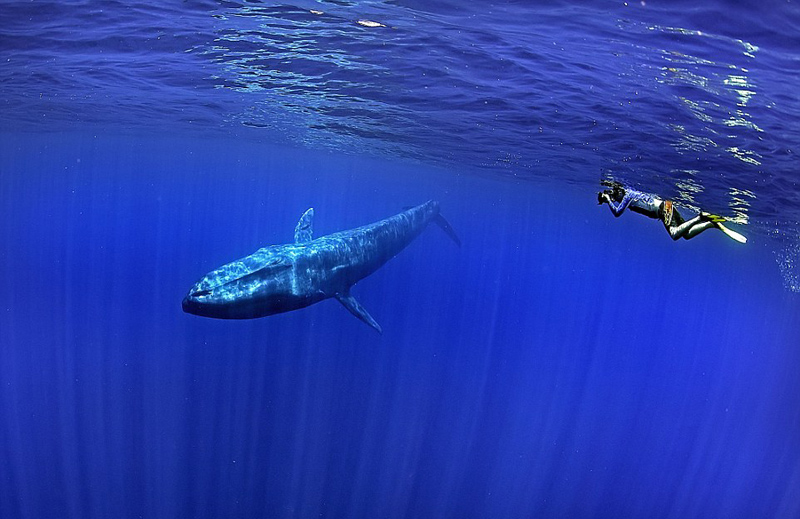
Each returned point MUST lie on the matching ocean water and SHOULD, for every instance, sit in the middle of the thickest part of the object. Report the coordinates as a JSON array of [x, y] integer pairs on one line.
[[560, 363]]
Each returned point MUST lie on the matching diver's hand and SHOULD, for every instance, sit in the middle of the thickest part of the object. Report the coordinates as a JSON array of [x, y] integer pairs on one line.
[[603, 198]]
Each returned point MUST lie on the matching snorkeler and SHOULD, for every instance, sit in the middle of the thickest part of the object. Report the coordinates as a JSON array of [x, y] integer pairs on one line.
[[620, 198]]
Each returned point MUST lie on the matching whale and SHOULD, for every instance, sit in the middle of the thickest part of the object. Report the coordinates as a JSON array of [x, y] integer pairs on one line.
[[282, 278]]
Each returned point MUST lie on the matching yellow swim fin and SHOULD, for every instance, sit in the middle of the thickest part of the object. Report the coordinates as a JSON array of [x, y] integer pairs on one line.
[[731, 234], [713, 217], [717, 220]]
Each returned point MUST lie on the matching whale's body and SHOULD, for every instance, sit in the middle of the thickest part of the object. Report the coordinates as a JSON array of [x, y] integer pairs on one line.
[[281, 278]]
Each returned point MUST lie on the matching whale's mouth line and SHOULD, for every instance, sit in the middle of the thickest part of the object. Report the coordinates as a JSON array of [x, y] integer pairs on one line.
[[273, 268]]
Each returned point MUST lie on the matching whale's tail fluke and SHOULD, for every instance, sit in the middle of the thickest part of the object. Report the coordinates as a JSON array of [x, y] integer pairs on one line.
[[447, 228]]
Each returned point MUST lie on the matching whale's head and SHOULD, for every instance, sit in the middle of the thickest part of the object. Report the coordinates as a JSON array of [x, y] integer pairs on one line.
[[260, 284]]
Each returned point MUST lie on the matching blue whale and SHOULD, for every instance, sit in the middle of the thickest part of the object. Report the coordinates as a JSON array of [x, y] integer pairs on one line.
[[281, 278]]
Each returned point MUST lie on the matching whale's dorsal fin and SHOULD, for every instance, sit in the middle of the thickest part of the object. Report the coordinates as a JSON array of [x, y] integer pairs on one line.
[[305, 227], [356, 309]]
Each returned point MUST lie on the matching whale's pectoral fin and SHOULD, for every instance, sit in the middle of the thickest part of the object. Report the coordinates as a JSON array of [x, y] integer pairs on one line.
[[305, 227], [447, 228], [356, 309]]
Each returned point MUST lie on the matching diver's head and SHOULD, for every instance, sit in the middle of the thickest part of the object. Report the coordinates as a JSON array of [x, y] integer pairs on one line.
[[615, 190]]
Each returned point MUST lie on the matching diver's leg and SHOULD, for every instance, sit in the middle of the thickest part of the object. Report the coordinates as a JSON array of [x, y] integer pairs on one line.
[[686, 229], [697, 228]]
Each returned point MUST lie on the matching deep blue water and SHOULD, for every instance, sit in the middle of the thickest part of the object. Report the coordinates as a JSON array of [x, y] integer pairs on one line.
[[561, 363]]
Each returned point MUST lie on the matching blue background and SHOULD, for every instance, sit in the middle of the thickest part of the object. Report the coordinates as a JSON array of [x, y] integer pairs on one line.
[[561, 363]]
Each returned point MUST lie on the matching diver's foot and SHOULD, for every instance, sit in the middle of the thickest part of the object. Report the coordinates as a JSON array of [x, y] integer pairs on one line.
[[711, 217]]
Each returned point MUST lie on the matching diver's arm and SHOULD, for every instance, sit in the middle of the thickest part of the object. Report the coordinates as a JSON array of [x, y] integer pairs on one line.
[[619, 208]]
